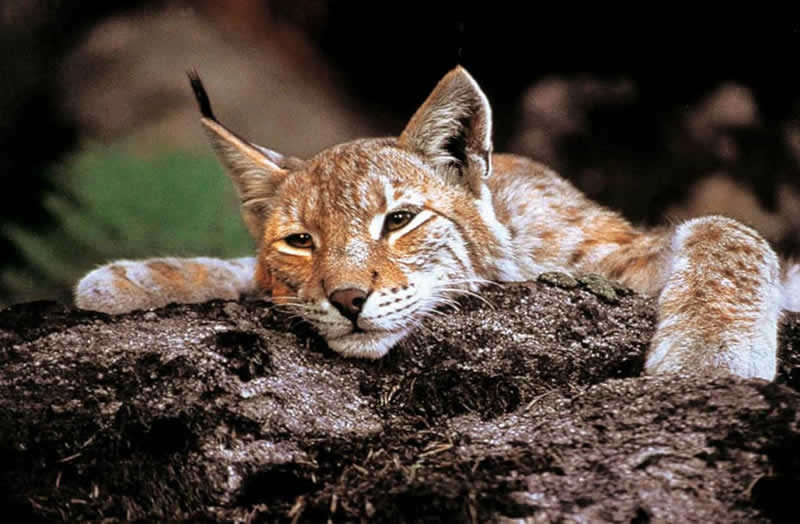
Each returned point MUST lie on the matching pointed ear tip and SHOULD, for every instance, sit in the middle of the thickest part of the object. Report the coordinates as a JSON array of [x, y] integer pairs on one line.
[[460, 71], [460, 76], [200, 94]]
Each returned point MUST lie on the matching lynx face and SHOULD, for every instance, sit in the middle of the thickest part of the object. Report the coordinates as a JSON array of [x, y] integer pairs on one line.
[[364, 242], [367, 238]]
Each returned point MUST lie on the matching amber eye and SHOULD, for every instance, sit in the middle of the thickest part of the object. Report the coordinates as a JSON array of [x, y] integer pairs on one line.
[[396, 220], [300, 240]]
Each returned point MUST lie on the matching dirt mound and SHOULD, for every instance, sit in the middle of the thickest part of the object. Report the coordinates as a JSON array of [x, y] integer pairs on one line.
[[529, 406]]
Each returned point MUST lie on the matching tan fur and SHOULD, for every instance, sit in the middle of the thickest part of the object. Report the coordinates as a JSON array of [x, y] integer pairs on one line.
[[368, 237]]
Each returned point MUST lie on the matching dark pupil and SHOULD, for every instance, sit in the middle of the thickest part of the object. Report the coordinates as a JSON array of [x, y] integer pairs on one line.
[[399, 218], [299, 240]]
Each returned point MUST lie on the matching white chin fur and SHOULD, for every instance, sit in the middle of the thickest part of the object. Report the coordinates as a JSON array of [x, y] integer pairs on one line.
[[371, 345]]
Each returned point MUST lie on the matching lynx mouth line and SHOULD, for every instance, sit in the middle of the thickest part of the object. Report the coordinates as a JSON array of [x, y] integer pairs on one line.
[[373, 333]]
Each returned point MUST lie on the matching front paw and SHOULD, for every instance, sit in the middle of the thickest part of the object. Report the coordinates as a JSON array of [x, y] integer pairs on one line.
[[108, 290], [691, 355]]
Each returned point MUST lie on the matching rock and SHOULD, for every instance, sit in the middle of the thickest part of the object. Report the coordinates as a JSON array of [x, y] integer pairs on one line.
[[526, 404], [600, 286], [558, 279]]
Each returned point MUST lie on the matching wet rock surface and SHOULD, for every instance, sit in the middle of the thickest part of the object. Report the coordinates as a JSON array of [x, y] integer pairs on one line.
[[529, 404]]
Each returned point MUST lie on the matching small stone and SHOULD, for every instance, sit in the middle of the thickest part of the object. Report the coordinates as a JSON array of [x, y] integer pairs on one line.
[[232, 309], [599, 286], [558, 279]]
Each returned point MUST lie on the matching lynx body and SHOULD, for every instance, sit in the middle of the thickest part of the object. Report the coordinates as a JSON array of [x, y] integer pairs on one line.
[[369, 237]]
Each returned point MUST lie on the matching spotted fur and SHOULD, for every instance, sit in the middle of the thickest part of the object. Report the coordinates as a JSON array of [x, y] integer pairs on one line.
[[369, 237]]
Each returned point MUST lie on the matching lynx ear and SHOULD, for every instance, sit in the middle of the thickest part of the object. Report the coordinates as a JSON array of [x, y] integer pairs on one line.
[[256, 171], [453, 130]]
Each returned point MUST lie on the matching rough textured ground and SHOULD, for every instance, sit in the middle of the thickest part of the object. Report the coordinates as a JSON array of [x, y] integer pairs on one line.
[[532, 407]]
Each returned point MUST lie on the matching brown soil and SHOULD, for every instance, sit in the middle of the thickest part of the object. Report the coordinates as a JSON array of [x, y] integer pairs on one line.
[[532, 406]]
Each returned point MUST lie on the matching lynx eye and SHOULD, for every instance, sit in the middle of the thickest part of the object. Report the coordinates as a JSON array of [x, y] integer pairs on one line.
[[300, 240], [397, 220]]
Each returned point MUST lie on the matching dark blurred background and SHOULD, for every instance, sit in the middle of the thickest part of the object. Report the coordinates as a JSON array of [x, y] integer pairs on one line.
[[663, 114]]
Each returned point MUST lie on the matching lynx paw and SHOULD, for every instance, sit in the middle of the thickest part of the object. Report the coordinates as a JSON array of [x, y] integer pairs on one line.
[[125, 286]]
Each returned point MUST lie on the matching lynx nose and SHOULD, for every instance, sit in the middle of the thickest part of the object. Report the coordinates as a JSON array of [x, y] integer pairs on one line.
[[349, 302]]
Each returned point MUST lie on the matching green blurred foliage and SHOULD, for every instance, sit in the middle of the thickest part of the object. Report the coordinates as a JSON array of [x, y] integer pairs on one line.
[[113, 204]]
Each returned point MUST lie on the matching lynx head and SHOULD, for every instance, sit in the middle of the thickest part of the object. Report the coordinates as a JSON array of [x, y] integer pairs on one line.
[[367, 238]]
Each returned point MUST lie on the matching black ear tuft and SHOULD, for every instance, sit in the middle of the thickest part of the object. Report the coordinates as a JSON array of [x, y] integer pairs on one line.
[[200, 94]]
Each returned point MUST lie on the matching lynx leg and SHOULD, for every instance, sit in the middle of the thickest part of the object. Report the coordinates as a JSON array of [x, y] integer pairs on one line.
[[718, 311], [124, 285]]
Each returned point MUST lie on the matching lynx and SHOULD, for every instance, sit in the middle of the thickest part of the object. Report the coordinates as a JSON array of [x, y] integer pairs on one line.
[[368, 237]]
